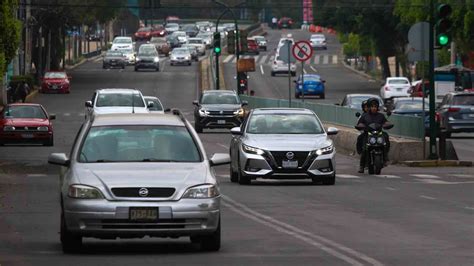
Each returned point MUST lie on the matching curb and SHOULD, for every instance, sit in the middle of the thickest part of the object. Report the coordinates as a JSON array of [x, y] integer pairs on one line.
[[361, 73], [438, 163], [83, 61]]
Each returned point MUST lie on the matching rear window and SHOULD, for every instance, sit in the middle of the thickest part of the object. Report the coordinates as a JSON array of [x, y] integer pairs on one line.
[[284, 124], [398, 81], [55, 75], [463, 99], [119, 99]]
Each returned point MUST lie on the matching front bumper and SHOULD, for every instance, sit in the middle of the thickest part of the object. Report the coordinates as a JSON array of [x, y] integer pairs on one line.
[[14, 137], [109, 219], [55, 88], [141, 64], [180, 61], [283, 68], [219, 121], [460, 125]]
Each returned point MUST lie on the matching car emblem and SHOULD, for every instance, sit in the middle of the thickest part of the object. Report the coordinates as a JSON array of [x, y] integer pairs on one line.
[[290, 155], [143, 192], [221, 112], [26, 128]]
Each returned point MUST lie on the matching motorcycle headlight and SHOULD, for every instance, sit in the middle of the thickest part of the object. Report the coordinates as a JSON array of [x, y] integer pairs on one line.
[[252, 150], [325, 150], [8, 128], [202, 192], [84, 192], [203, 112], [43, 128], [239, 112], [380, 140], [156, 59], [372, 140]]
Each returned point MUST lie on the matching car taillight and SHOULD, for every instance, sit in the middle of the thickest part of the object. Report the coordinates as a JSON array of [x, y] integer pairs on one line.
[[386, 88], [437, 117], [453, 109]]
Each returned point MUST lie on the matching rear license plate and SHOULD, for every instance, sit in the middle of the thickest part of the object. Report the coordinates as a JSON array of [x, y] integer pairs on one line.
[[221, 122], [143, 213], [289, 164], [27, 136], [399, 89]]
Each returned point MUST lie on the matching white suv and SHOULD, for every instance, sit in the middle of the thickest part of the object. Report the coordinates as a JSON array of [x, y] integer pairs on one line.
[[395, 87], [122, 43], [281, 67]]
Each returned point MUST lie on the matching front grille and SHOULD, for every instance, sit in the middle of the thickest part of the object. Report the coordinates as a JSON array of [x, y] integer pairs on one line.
[[146, 61], [219, 113], [24, 129], [133, 192], [128, 224], [299, 156]]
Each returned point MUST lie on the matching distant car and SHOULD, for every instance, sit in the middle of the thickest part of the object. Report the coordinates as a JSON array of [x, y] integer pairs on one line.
[[122, 42], [354, 100], [278, 143], [172, 19], [313, 86], [143, 34], [456, 113], [154, 104], [26, 123], [171, 27], [190, 29], [218, 109], [147, 57], [129, 55], [285, 23], [281, 67], [283, 40], [161, 45], [158, 31], [173, 41], [180, 56], [181, 36], [417, 89], [318, 41], [261, 41], [206, 38], [199, 44], [412, 106], [114, 59], [192, 50], [115, 100], [252, 46], [55, 81], [395, 87], [229, 26]]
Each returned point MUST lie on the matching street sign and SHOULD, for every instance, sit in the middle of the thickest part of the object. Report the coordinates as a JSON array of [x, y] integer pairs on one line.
[[302, 50], [418, 42]]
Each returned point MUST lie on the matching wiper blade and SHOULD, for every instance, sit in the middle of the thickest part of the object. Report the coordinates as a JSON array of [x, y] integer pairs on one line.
[[104, 161], [158, 160]]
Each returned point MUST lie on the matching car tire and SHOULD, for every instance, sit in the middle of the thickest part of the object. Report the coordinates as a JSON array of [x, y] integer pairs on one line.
[[234, 176], [123, 66], [70, 243], [212, 242], [273, 74], [171, 64], [243, 178], [104, 67], [198, 127], [49, 142], [322, 96], [330, 180]]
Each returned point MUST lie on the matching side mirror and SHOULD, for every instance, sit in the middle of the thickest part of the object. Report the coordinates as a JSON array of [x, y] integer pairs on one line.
[[196, 102], [244, 103], [337, 104], [220, 159], [332, 131], [59, 159], [88, 104], [150, 104], [52, 117], [357, 114], [236, 131]]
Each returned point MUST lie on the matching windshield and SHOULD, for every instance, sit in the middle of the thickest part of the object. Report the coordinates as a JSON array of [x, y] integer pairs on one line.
[[464, 99], [148, 143], [398, 81], [215, 98], [114, 54], [411, 106], [180, 51], [284, 124], [172, 25], [30, 111], [122, 40], [55, 75], [147, 52], [119, 99]]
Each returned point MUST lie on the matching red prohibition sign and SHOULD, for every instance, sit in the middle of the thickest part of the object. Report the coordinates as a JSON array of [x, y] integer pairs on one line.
[[302, 50]]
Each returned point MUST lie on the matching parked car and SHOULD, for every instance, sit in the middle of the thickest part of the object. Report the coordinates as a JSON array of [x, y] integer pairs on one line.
[[318, 41], [278, 142], [158, 31], [143, 34], [218, 109], [137, 175], [154, 104], [122, 42], [199, 44], [115, 100], [161, 45], [313, 86], [285, 23], [114, 59], [29, 123], [395, 87], [147, 58], [180, 56], [55, 81], [261, 42], [456, 113], [354, 100]]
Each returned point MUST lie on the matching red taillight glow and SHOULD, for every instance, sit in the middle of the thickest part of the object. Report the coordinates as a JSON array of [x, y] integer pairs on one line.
[[437, 117], [453, 109]]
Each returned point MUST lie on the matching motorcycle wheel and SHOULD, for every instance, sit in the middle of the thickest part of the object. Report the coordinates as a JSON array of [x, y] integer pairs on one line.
[[378, 164]]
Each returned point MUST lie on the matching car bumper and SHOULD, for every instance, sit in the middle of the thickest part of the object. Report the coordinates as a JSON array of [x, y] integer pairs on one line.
[[55, 88], [147, 65], [460, 126], [219, 121], [395, 94], [24, 137], [310, 91], [180, 61], [283, 69], [103, 218]]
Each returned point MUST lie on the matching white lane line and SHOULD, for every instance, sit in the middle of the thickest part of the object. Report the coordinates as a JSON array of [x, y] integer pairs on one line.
[[317, 241], [67, 114], [469, 208], [82, 114], [314, 69], [389, 176], [391, 188], [424, 176], [36, 175], [325, 59], [347, 176], [427, 197], [334, 59], [222, 145], [234, 60], [304, 70], [162, 67], [261, 70], [316, 59], [263, 59], [463, 176], [228, 58]]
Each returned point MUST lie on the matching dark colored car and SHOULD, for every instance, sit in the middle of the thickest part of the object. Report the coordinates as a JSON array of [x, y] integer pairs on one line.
[[313, 86], [55, 81], [158, 31], [143, 34], [285, 23], [147, 57], [355, 100], [456, 112], [218, 109], [26, 123], [191, 30], [173, 41], [114, 59]]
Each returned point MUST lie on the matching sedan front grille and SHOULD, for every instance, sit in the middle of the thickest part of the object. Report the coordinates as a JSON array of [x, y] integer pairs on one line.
[[221, 112], [159, 224], [134, 192], [24, 129], [299, 156]]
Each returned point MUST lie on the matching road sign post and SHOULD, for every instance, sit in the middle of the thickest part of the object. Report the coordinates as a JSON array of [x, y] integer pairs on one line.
[[302, 51]]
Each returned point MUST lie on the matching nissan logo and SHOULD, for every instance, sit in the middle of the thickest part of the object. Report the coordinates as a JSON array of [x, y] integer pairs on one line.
[[143, 192], [290, 155]]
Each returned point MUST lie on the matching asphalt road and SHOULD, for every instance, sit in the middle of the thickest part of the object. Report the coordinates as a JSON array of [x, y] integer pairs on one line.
[[407, 216]]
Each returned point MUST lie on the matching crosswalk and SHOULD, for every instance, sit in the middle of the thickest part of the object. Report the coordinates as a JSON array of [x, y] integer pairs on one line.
[[264, 59]]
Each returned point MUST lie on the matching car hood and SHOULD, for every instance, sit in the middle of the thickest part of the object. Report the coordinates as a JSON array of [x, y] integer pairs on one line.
[[112, 175], [119, 109], [54, 80], [152, 57], [220, 107], [287, 142], [25, 122]]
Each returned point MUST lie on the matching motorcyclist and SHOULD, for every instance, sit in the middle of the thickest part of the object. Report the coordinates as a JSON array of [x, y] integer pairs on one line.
[[360, 138], [373, 116]]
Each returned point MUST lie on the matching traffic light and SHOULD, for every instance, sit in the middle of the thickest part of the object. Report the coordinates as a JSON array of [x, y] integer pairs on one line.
[[243, 41], [443, 25], [243, 82], [231, 42], [217, 43]]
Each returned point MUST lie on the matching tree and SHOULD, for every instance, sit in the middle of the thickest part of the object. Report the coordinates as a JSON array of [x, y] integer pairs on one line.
[[10, 29]]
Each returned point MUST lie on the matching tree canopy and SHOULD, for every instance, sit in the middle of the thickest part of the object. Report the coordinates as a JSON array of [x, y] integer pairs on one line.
[[10, 29]]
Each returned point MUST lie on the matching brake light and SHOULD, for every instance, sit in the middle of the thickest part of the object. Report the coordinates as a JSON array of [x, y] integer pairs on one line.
[[437, 117], [386, 88], [453, 109]]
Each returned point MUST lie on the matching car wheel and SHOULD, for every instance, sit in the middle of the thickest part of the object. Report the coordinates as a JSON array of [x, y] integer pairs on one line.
[[212, 242], [234, 176], [273, 74], [330, 180], [243, 178], [49, 142], [136, 68], [322, 96], [103, 66], [71, 243], [171, 64], [189, 63], [198, 127], [123, 66]]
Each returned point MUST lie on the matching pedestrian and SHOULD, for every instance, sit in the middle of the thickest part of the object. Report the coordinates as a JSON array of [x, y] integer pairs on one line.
[[274, 22], [22, 91]]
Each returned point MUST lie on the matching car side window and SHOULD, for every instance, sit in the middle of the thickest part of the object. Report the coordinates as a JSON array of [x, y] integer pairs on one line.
[[93, 98], [344, 102]]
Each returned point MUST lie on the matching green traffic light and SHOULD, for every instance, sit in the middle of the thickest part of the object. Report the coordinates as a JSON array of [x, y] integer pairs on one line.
[[217, 50], [443, 39]]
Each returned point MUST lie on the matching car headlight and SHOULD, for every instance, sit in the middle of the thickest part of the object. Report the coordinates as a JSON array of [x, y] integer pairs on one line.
[[186, 58], [239, 112], [326, 150], [8, 128], [43, 128], [249, 149], [372, 140], [84, 192], [138, 59], [380, 140], [156, 59], [203, 112], [202, 192]]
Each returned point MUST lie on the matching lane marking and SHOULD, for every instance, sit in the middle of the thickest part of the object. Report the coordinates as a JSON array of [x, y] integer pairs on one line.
[[391, 188], [261, 70], [314, 69], [424, 176], [304, 70], [324, 244], [334, 59], [316, 59], [463, 176], [346, 176], [325, 59], [390, 176], [469, 208], [263, 59], [82, 114], [36, 175], [228, 58], [222, 145], [427, 197]]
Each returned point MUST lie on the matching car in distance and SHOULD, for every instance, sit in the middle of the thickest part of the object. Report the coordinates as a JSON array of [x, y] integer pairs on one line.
[[281, 142], [161, 45], [318, 41], [218, 109], [143, 34], [147, 58], [285, 23], [158, 31], [171, 27], [122, 42], [192, 50], [261, 41], [55, 81], [129, 55], [154, 104], [180, 56], [137, 175], [395, 87], [456, 113], [116, 100], [252, 46], [354, 100], [199, 44], [281, 67], [26, 123], [114, 59], [313, 86]]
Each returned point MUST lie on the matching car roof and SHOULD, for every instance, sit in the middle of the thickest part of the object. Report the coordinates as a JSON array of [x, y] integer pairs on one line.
[[318, 35], [118, 90], [150, 97], [392, 78], [137, 119], [362, 95], [282, 110]]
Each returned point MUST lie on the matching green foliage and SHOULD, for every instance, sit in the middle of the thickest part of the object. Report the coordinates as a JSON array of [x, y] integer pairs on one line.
[[20, 78], [2, 67], [10, 29], [444, 57], [352, 47]]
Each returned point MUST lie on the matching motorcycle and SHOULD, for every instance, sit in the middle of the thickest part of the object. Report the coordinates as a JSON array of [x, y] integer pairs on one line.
[[374, 146]]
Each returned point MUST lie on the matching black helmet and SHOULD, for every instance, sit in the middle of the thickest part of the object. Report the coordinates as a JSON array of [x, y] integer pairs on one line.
[[373, 101], [364, 104]]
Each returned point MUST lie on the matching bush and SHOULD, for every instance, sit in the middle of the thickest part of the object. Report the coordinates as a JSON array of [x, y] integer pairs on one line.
[[20, 78]]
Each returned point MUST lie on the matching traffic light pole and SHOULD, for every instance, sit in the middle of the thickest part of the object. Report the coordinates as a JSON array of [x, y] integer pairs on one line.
[[433, 154]]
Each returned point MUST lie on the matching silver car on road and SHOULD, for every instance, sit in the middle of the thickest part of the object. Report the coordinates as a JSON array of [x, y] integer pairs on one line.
[[136, 175], [282, 143]]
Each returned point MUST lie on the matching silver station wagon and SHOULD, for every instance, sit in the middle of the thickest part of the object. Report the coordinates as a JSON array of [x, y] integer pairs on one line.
[[136, 175]]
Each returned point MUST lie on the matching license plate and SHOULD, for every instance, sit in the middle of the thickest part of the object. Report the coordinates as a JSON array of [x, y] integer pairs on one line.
[[55, 87], [311, 90], [289, 164], [220, 122], [399, 89], [143, 213], [27, 136]]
